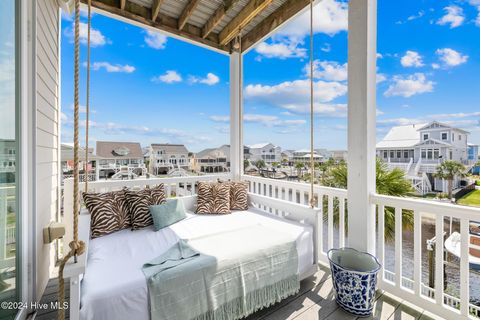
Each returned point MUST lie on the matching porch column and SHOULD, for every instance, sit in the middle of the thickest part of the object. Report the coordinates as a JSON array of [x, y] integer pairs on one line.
[[362, 40], [236, 115]]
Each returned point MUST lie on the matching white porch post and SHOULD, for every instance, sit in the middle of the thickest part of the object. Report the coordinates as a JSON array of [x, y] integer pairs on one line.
[[236, 115], [362, 40]]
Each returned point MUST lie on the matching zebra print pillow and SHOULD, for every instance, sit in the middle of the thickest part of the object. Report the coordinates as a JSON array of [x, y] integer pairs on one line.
[[140, 202], [213, 198], [109, 212], [239, 195]]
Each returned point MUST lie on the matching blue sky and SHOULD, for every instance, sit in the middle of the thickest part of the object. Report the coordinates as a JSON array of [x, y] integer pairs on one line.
[[149, 88]]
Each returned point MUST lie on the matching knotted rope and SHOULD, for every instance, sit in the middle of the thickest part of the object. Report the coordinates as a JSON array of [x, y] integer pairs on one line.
[[76, 247], [312, 161], [87, 105]]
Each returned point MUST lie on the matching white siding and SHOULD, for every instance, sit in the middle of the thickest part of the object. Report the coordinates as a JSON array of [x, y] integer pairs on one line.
[[47, 132]]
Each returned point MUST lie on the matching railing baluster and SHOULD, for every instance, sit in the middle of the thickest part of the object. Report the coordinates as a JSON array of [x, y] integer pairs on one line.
[[381, 239], [439, 259], [330, 222], [417, 252], [341, 224], [464, 267], [398, 246]]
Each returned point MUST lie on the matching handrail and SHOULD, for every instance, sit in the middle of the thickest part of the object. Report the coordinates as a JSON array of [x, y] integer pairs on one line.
[[428, 206]]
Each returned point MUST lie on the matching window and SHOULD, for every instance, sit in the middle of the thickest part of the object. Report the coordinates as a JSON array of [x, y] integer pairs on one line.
[[385, 154], [444, 135], [399, 154], [436, 154], [430, 154], [405, 154], [424, 154], [426, 136], [392, 154]]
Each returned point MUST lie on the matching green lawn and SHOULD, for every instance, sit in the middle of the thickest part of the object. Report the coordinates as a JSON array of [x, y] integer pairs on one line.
[[471, 199]]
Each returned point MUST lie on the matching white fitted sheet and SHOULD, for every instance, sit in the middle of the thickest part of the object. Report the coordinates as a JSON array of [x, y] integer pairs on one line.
[[114, 286]]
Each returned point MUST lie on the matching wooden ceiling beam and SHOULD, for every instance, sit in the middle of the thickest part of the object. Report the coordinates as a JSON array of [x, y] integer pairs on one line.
[[187, 13], [122, 4], [142, 15], [273, 21], [217, 17], [155, 8], [244, 17]]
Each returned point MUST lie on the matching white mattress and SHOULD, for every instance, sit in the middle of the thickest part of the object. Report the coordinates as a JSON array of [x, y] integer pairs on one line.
[[114, 286]]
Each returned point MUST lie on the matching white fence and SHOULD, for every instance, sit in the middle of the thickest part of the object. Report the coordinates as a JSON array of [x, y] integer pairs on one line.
[[413, 290]]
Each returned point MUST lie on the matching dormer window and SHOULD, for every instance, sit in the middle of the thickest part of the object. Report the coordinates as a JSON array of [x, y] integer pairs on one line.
[[444, 136], [426, 136]]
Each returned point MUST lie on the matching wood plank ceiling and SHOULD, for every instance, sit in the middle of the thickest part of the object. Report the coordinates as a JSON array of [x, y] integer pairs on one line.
[[214, 23]]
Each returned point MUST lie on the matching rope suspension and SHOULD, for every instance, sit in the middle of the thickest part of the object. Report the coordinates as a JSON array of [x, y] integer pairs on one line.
[[87, 104], [76, 247], [312, 161]]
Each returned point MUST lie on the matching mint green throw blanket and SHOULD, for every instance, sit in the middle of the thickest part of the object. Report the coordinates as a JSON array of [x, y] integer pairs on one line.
[[223, 276]]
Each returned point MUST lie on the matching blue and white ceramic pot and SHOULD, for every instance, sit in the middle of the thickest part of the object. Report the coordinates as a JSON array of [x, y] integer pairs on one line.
[[354, 275]]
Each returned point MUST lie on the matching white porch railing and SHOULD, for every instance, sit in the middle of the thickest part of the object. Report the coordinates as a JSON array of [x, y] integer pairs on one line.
[[333, 235], [433, 299]]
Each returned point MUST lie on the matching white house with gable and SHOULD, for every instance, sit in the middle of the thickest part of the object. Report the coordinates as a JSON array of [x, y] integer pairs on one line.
[[267, 152], [419, 149]]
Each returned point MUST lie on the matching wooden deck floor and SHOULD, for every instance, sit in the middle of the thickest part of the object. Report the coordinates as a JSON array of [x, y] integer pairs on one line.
[[315, 301]]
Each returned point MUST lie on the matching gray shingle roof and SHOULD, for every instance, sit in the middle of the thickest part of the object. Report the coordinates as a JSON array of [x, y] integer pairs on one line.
[[170, 148], [114, 150]]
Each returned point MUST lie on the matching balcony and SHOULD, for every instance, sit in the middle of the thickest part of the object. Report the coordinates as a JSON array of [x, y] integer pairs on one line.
[[407, 280]]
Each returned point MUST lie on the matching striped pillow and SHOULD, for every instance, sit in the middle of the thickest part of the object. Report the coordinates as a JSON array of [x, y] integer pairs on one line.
[[140, 202], [238, 195], [213, 198], [109, 212]]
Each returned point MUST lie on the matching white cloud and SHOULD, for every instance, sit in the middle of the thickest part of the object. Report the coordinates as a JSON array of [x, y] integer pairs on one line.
[[476, 3], [171, 76], [293, 92], [379, 56], [454, 16], [326, 47], [155, 40], [281, 50], [328, 70], [408, 86], [210, 80], [420, 14], [330, 17], [97, 39], [435, 66], [265, 120], [450, 57], [381, 77], [112, 68], [412, 59]]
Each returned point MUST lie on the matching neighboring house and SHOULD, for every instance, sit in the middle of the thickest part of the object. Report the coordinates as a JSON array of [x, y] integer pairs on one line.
[[66, 156], [339, 155], [419, 149], [166, 158], [7, 160], [303, 156], [324, 153], [212, 160], [472, 153], [118, 160], [267, 152]]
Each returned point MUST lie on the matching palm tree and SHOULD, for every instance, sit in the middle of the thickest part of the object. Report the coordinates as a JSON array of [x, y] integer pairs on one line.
[[275, 164], [246, 163], [448, 170], [389, 182], [260, 164], [299, 166]]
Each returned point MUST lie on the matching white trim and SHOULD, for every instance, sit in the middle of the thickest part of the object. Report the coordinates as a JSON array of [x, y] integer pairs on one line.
[[441, 135], [362, 34], [236, 115]]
